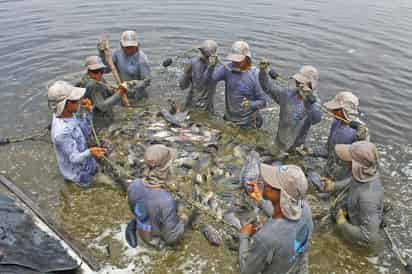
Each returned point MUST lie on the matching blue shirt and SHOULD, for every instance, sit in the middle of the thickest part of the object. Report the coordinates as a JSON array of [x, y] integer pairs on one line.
[[240, 85], [69, 137]]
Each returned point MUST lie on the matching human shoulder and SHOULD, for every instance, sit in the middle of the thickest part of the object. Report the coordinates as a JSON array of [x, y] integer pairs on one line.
[[142, 57]]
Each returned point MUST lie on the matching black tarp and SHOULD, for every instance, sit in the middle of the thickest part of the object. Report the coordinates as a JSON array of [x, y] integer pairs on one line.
[[25, 248]]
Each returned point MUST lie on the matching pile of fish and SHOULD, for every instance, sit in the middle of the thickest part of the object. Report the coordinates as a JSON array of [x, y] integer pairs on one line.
[[211, 167]]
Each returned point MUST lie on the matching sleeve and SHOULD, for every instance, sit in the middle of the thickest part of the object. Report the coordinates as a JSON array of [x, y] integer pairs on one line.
[[186, 79], [252, 260], [340, 185], [368, 231], [314, 111], [66, 144], [218, 74], [267, 207], [171, 227], [93, 92], [145, 71], [271, 88], [260, 101], [84, 123]]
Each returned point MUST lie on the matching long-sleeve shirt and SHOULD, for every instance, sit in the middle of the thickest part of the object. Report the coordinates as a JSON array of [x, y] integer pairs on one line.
[[296, 115], [365, 213], [155, 211], [340, 133], [202, 87], [69, 137], [278, 246], [103, 101], [134, 67], [240, 86]]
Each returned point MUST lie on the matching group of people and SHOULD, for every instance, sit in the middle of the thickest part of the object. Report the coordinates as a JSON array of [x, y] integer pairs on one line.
[[279, 245]]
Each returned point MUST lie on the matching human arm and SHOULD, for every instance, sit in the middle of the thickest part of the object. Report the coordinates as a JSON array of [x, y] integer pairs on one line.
[[252, 259], [95, 92], [218, 73], [312, 104], [271, 88], [145, 71], [186, 79], [67, 144]]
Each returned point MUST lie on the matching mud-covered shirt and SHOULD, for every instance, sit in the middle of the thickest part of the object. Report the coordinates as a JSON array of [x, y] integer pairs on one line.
[[69, 137], [240, 86], [278, 246], [296, 115], [202, 87], [365, 213], [103, 100], [155, 211]]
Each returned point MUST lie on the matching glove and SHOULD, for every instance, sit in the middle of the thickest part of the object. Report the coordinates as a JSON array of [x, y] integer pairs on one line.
[[329, 185], [273, 74], [264, 64], [341, 217], [311, 99], [101, 45], [354, 124], [213, 60], [248, 229], [245, 104]]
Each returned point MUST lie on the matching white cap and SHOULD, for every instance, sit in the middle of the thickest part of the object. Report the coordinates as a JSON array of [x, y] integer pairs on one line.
[[240, 50], [61, 91], [94, 63], [129, 39]]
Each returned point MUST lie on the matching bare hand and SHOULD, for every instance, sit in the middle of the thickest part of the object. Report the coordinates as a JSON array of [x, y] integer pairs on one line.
[[87, 104], [248, 229], [97, 152], [255, 194], [122, 90]]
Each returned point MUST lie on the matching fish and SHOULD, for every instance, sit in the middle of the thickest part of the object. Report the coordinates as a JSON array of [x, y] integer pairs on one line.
[[212, 235], [315, 179], [251, 169], [179, 119]]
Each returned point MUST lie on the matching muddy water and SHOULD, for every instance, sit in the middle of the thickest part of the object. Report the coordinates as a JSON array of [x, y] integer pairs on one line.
[[361, 45]]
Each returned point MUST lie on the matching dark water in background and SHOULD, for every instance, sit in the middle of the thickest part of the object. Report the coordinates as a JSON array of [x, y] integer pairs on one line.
[[359, 45]]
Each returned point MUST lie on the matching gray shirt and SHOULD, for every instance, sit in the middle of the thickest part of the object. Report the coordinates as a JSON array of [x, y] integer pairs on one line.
[[202, 87], [278, 246], [103, 100], [296, 115], [365, 213], [155, 211]]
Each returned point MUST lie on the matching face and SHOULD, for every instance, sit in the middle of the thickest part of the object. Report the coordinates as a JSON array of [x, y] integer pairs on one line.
[[96, 74], [339, 113], [243, 65], [270, 193], [72, 106], [130, 51]]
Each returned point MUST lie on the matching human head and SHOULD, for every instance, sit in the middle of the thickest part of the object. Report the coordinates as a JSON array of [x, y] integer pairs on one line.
[[158, 159], [364, 158], [95, 67], [129, 42], [345, 102], [240, 55], [287, 185], [307, 79], [208, 48], [61, 95]]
